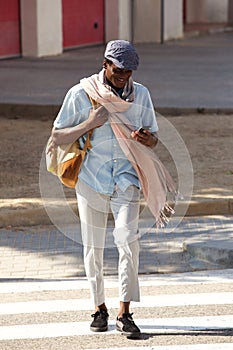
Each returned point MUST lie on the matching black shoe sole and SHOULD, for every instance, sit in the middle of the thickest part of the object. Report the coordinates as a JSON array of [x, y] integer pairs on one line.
[[96, 329], [132, 335]]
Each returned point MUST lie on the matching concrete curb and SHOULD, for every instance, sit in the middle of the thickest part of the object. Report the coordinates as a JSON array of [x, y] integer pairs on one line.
[[196, 33], [35, 111], [17, 217], [217, 252]]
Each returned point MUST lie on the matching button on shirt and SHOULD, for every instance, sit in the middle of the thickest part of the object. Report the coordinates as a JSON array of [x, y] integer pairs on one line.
[[106, 165]]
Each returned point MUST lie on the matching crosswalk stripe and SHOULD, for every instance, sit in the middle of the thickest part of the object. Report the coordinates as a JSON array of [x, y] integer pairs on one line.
[[199, 277], [156, 325], [219, 346], [221, 323], [146, 301]]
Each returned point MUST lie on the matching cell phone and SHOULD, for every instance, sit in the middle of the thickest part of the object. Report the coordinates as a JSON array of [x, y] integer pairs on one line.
[[141, 130]]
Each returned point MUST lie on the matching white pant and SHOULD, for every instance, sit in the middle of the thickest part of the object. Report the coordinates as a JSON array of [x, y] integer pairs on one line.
[[93, 213]]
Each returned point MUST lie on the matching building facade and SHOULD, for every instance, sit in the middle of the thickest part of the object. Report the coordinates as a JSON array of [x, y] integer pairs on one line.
[[37, 28]]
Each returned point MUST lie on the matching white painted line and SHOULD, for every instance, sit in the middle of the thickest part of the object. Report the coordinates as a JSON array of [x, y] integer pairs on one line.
[[28, 287], [219, 346], [152, 326], [198, 277], [146, 301]]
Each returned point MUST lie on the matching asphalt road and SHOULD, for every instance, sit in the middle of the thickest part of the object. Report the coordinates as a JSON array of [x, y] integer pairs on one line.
[[194, 73]]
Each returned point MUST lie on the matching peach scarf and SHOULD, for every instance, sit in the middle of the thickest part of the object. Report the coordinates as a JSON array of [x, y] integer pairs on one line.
[[155, 180]]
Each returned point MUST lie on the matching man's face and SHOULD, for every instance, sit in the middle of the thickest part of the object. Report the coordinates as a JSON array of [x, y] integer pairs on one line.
[[118, 77]]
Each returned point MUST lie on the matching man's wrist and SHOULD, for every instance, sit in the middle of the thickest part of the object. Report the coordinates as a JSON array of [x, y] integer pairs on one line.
[[155, 140]]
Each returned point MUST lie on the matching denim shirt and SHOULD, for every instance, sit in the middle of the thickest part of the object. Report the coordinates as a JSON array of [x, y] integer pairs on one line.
[[106, 165]]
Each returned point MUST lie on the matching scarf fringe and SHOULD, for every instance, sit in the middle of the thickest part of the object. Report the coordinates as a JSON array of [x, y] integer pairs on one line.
[[163, 219]]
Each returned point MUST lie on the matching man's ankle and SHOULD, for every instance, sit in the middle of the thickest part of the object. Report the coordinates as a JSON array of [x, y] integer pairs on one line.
[[124, 308], [101, 307]]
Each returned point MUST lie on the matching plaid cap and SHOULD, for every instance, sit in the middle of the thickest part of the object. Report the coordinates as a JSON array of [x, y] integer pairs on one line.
[[123, 54]]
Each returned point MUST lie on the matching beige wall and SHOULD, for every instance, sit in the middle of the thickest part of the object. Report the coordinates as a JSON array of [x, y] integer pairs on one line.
[[230, 12], [207, 11], [140, 20], [41, 27], [146, 21], [118, 19], [111, 20], [173, 19], [28, 27], [196, 10], [218, 10], [125, 20]]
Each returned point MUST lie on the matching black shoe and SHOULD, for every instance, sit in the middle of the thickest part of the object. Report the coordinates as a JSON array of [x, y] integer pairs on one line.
[[100, 322], [126, 326]]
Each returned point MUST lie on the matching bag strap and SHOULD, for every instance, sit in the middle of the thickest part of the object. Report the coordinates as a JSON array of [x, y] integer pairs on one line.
[[94, 103], [87, 144]]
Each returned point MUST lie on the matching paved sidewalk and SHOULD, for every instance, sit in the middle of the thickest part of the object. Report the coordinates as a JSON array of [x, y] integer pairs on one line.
[[45, 252], [193, 74]]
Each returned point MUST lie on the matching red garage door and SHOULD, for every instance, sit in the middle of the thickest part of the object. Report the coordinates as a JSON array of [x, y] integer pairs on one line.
[[9, 28], [83, 22]]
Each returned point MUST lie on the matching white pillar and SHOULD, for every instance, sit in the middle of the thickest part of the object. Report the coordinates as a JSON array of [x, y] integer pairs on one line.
[[111, 20], [230, 12], [173, 19], [125, 20], [41, 27], [147, 21]]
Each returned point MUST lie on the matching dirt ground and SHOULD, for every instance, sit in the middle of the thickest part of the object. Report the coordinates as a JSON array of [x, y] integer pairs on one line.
[[208, 139]]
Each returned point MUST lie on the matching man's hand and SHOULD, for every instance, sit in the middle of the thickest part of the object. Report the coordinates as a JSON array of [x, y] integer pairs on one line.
[[61, 136], [145, 137], [97, 117]]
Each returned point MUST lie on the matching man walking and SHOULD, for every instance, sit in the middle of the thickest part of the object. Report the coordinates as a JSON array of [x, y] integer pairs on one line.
[[111, 176]]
